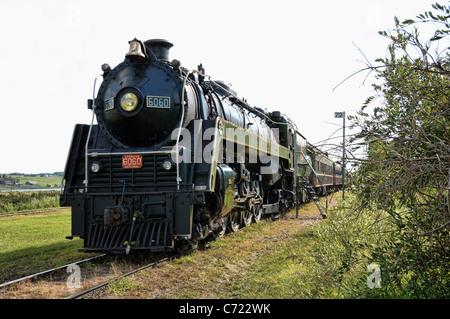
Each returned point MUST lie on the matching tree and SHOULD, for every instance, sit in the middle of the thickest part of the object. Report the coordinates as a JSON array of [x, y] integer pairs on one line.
[[405, 128]]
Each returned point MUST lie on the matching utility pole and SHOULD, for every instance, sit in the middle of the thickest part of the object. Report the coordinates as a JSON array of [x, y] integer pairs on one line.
[[342, 115]]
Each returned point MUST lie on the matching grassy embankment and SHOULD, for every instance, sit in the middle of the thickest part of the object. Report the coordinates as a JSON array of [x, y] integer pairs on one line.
[[36, 242], [326, 260]]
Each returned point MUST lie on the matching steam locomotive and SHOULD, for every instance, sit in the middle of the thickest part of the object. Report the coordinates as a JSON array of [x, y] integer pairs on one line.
[[176, 158]]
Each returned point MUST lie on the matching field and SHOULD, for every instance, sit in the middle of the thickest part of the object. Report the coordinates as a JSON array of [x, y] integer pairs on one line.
[[42, 181], [35, 242]]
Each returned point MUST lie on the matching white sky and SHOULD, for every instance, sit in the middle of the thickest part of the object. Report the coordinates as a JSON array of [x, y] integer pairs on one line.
[[285, 55]]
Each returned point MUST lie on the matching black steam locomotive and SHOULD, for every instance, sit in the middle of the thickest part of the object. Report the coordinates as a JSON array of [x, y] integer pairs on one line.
[[176, 157]]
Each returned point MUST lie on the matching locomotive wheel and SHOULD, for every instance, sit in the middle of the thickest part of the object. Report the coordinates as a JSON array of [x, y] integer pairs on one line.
[[223, 229], [248, 216], [183, 245], [234, 221], [257, 214], [221, 232]]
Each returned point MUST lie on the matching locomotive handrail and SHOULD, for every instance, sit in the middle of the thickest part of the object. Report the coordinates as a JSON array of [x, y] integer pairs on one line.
[[183, 102], [95, 154], [86, 170]]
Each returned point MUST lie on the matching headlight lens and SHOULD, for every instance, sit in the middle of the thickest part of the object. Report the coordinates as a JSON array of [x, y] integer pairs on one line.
[[95, 167], [129, 102], [167, 165]]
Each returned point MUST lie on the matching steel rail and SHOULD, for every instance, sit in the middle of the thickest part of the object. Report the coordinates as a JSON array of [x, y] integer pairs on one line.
[[103, 284], [9, 283]]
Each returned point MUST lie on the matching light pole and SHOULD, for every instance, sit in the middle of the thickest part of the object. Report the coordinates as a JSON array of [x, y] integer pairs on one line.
[[342, 115]]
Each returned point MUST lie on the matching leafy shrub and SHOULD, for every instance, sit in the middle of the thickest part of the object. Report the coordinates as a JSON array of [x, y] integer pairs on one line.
[[19, 201]]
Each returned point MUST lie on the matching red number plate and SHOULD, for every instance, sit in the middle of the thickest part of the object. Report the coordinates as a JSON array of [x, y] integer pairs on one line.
[[132, 161]]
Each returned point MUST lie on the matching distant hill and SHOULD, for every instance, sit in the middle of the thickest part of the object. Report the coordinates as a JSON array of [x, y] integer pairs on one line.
[[30, 181], [34, 174]]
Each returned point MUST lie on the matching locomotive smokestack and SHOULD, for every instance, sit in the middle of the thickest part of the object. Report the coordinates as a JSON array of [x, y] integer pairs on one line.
[[160, 48]]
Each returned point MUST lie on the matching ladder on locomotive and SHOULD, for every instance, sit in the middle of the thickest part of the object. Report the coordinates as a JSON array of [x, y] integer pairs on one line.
[[312, 193]]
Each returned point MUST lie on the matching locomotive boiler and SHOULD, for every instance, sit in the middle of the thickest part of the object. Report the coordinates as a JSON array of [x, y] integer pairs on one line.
[[176, 158]]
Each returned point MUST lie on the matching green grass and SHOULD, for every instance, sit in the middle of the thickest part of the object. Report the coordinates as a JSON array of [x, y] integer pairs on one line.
[[122, 286], [290, 271], [325, 261], [35, 243]]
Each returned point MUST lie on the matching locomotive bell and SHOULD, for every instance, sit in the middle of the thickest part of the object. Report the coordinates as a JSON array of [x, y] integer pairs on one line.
[[136, 50]]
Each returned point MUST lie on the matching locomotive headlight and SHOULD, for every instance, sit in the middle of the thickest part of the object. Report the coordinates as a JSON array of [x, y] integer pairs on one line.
[[95, 167], [167, 165], [129, 102]]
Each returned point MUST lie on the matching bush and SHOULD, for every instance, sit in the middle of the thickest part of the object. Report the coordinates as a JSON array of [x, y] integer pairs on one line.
[[409, 266], [19, 201], [405, 172]]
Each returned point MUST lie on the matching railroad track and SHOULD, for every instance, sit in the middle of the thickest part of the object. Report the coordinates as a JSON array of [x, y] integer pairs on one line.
[[33, 211], [89, 292], [103, 285], [48, 272]]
